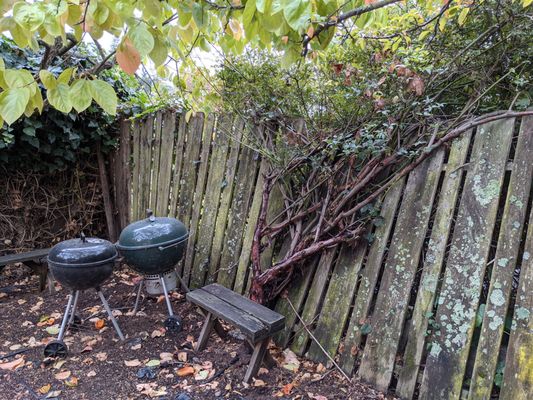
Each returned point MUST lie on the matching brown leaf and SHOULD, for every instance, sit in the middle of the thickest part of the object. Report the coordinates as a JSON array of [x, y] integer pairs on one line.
[[416, 85], [101, 356], [259, 383], [13, 365], [99, 323], [287, 389], [128, 57], [185, 371], [132, 363], [182, 356], [62, 375], [45, 389], [72, 382]]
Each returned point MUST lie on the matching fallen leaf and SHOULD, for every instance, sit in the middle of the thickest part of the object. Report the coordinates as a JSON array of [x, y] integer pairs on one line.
[[136, 347], [62, 375], [36, 306], [287, 389], [15, 347], [53, 394], [45, 389], [59, 363], [182, 356], [101, 356], [291, 362], [90, 374], [157, 333], [150, 389], [21, 301], [72, 382], [201, 375], [320, 368], [132, 363], [99, 323], [153, 363], [12, 365], [185, 371], [166, 356], [259, 383], [86, 349], [53, 330]]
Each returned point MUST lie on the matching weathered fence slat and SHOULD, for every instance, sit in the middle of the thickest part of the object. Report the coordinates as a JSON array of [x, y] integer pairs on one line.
[[388, 317], [210, 205], [434, 259], [122, 179], [518, 374], [446, 362], [199, 192], [165, 164], [337, 302], [312, 303], [178, 164], [156, 155], [136, 176], [147, 129], [242, 276], [369, 277], [242, 194], [225, 199], [190, 167], [503, 267]]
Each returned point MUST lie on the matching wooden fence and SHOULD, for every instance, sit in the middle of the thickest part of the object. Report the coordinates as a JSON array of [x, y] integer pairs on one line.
[[438, 306]]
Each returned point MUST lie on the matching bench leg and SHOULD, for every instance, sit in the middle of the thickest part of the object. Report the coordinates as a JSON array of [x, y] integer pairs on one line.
[[257, 358], [206, 331]]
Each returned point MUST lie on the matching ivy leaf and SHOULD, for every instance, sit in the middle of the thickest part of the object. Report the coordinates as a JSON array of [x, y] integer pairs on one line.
[[128, 57], [13, 103], [80, 95], [29, 16], [142, 39], [105, 96], [59, 98], [48, 79]]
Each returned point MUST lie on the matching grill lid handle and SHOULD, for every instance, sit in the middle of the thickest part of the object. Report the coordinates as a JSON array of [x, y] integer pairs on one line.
[[150, 215]]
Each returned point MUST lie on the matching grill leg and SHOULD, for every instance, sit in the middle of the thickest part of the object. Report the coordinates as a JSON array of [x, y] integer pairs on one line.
[[167, 299], [74, 305], [138, 298], [66, 317], [110, 313]]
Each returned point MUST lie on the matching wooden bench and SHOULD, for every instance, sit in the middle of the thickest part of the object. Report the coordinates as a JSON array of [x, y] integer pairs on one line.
[[35, 259], [256, 322]]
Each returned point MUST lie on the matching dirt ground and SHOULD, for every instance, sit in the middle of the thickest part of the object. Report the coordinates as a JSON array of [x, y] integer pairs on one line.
[[151, 363]]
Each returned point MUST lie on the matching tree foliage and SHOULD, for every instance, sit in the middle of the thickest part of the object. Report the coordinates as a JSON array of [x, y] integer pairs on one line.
[[155, 30]]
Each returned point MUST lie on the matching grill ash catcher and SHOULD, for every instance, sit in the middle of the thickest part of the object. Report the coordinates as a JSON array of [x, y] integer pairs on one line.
[[152, 247], [79, 265]]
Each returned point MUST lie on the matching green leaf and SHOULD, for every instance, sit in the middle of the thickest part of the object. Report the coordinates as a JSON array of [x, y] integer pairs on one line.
[[48, 79], [297, 13], [13, 103], [29, 16], [104, 95], [142, 39], [159, 53], [18, 78], [59, 98], [199, 15], [153, 363], [462, 16], [479, 315], [65, 76], [80, 95], [248, 13], [526, 3], [2, 64]]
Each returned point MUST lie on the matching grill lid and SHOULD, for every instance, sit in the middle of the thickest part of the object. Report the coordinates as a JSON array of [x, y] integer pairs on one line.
[[152, 232], [82, 252]]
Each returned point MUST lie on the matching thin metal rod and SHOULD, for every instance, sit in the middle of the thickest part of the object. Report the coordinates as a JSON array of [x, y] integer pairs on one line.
[[110, 313], [65, 317], [167, 299], [138, 298], [74, 306]]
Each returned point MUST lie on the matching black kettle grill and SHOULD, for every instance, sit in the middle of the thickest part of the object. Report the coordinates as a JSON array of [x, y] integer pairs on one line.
[[80, 264], [153, 246]]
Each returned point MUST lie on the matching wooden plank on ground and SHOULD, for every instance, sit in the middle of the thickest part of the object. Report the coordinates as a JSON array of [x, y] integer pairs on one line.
[[215, 181], [369, 276], [459, 295], [146, 164], [179, 152], [242, 196], [405, 249], [433, 262], [207, 138], [165, 164], [136, 159], [503, 267], [312, 303], [156, 154], [191, 162], [334, 313], [518, 374], [243, 273], [225, 200]]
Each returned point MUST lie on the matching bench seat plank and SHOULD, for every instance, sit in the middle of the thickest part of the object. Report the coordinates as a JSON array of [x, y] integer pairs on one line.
[[273, 320], [22, 257], [249, 325]]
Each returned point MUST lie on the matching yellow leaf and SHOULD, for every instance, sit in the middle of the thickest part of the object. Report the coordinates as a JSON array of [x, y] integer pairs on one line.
[[526, 3], [45, 389], [462, 16]]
